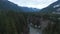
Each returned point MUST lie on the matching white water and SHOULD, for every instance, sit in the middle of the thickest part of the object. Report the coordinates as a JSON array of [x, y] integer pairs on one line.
[[34, 30]]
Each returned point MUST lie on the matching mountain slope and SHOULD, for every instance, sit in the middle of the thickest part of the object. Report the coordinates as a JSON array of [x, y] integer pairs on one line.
[[7, 5], [25, 9], [51, 8]]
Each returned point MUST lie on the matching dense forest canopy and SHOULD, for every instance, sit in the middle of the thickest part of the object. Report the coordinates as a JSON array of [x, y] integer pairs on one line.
[[15, 21]]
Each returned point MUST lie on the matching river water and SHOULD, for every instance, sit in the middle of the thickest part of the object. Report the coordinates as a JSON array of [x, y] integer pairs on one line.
[[34, 30]]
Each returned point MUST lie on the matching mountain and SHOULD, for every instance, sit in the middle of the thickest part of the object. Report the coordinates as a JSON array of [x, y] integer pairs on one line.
[[54, 7], [7, 5], [25, 9], [3, 0]]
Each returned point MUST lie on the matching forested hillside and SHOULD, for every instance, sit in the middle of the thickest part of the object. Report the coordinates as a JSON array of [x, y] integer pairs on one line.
[[52, 13], [13, 19], [12, 23]]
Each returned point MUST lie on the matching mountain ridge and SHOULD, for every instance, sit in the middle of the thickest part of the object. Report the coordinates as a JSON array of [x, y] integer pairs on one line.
[[7, 5], [51, 8]]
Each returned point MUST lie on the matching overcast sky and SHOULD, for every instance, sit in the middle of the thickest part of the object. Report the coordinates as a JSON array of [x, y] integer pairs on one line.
[[33, 3]]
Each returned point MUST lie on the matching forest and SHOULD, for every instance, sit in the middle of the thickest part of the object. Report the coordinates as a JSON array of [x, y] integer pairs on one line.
[[14, 19]]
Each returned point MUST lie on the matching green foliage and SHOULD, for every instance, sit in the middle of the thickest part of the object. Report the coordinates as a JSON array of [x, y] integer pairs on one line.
[[55, 28], [12, 22]]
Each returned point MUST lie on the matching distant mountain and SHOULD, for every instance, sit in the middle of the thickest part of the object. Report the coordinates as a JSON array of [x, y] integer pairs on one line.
[[7, 5], [54, 7], [25, 9]]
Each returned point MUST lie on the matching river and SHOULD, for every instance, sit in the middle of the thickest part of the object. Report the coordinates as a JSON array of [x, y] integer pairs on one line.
[[33, 30]]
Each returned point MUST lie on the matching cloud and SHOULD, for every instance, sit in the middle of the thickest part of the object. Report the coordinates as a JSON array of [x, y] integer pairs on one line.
[[33, 3]]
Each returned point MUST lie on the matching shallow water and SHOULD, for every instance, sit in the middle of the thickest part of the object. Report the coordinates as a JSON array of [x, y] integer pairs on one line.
[[34, 30]]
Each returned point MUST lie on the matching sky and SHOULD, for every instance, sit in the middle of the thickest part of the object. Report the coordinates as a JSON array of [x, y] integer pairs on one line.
[[33, 3]]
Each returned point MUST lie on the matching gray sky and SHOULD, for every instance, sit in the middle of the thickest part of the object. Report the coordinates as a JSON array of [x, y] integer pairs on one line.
[[33, 3]]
